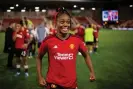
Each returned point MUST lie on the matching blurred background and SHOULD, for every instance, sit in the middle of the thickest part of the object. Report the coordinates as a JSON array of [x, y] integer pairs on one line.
[[106, 13], [113, 59]]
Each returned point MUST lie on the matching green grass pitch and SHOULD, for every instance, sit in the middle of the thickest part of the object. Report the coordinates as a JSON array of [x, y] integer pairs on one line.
[[113, 65]]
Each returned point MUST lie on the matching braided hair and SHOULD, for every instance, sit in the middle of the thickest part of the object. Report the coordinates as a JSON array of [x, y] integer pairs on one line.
[[61, 11]]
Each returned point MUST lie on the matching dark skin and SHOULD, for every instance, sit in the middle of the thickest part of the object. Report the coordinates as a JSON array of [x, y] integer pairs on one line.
[[63, 26]]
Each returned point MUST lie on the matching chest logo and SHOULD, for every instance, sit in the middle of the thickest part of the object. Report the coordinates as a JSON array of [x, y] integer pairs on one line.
[[72, 46]]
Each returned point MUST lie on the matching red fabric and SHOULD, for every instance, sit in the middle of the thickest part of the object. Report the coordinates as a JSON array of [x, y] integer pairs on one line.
[[80, 32], [21, 37], [26, 32], [62, 59], [52, 31], [96, 32]]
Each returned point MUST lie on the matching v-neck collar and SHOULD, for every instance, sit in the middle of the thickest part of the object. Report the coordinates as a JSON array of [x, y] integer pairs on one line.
[[63, 39]]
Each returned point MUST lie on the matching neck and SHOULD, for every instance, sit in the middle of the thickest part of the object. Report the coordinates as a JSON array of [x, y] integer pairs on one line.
[[62, 36]]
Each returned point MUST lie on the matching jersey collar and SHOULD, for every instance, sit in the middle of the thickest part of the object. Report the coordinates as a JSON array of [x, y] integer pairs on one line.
[[64, 38]]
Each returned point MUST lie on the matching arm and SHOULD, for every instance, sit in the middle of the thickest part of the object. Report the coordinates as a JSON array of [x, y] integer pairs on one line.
[[42, 82], [89, 64], [14, 36], [42, 51], [88, 61], [83, 49]]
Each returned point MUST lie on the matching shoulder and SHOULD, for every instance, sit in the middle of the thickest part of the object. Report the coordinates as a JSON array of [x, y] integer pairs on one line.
[[48, 38], [76, 37]]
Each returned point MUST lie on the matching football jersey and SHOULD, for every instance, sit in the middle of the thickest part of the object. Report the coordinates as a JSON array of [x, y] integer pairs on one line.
[[96, 31], [62, 59], [21, 38], [80, 32], [52, 31]]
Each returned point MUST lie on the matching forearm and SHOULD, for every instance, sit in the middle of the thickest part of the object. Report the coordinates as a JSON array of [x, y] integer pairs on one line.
[[39, 67], [89, 64]]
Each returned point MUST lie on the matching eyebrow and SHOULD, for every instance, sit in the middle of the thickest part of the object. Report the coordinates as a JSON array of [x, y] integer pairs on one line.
[[63, 19]]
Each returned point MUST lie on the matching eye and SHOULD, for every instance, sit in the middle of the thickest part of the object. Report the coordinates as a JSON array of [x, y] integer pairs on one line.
[[62, 22], [68, 22]]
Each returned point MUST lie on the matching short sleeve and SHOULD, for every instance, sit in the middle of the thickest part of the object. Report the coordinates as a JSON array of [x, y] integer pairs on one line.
[[82, 46], [43, 49]]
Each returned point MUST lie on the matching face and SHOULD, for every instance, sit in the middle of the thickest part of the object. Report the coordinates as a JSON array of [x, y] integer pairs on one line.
[[13, 26], [63, 23], [18, 27]]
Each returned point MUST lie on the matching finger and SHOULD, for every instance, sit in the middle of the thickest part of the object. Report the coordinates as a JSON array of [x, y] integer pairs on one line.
[[42, 84], [92, 79]]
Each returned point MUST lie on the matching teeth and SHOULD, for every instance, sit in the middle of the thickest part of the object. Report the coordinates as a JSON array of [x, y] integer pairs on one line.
[[65, 29]]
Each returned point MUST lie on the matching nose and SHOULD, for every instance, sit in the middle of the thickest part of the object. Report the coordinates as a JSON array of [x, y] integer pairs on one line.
[[66, 24]]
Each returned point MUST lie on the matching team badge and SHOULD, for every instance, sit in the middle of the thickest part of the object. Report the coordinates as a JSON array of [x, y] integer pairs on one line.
[[53, 86], [72, 46]]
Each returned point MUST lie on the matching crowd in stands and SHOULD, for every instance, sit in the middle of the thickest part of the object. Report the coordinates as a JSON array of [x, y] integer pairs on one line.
[[122, 25]]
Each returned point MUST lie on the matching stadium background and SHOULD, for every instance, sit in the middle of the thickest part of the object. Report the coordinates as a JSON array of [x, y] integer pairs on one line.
[[113, 63]]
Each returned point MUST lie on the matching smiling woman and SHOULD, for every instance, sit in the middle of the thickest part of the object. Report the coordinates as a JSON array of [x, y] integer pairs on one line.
[[63, 23], [62, 49]]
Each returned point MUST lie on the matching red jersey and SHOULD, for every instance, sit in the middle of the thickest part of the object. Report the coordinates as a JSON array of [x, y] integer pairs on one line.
[[80, 32], [96, 31], [27, 35], [22, 36], [62, 59], [52, 31]]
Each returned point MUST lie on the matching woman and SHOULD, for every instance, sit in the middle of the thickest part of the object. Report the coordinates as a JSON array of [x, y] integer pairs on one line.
[[62, 49], [21, 38]]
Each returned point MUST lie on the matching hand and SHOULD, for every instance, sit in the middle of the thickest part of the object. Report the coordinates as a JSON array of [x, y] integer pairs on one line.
[[92, 77], [42, 82], [25, 46]]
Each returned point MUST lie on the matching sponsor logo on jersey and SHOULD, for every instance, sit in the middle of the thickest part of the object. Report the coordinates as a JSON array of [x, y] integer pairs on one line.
[[63, 56]]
